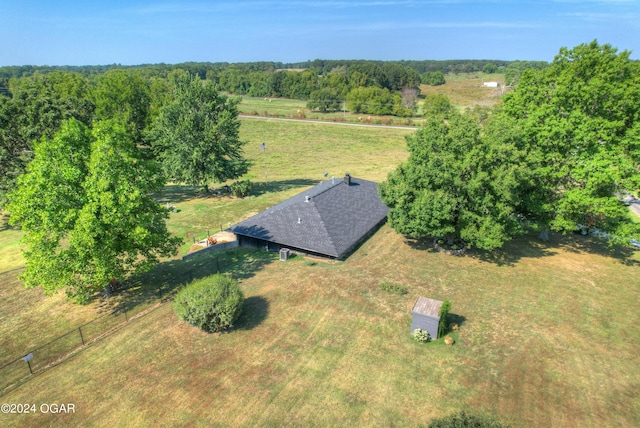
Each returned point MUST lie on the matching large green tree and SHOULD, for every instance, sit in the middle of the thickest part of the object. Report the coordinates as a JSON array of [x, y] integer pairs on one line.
[[456, 184], [124, 96], [37, 107], [196, 136], [85, 206], [324, 100], [579, 123]]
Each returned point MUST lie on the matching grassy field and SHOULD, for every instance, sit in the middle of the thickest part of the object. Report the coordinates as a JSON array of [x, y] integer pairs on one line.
[[546, 332], [544, 341], [464, 90]]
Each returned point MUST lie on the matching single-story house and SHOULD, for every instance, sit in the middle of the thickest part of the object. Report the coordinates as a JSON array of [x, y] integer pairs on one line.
[[331, 219]]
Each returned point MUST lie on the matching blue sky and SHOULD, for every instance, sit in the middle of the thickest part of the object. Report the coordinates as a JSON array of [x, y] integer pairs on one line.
[[149, 31]]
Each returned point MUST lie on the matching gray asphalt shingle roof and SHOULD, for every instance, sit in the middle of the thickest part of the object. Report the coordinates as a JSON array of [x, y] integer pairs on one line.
[[331, 218]]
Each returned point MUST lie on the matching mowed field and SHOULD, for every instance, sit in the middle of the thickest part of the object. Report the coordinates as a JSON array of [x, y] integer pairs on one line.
[[464, 90], [546, 332]]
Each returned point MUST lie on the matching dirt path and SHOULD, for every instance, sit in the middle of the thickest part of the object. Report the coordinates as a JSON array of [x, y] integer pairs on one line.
[[326, 122]]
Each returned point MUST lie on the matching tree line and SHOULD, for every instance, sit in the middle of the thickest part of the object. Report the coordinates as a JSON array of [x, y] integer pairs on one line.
[[368, 87], [322, 66]]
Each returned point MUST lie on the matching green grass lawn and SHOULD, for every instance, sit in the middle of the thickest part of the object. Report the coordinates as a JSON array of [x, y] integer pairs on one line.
[[10, 254], [544, 340]]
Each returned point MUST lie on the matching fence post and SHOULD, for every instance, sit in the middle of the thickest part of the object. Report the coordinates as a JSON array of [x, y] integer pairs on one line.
[[190, 276], [81, 336], [217, 265], [125, 315]]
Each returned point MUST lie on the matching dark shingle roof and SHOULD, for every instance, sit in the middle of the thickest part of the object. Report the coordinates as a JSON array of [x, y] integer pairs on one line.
[[334, 220]]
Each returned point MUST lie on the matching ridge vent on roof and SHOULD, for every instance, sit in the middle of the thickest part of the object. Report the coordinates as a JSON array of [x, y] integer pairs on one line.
[[329, 187]]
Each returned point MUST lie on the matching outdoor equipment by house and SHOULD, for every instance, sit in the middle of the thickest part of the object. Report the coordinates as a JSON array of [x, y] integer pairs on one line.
[[330, 219], [426, 316]]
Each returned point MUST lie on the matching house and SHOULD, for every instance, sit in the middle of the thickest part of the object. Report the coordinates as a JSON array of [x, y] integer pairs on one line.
[[331, 219]]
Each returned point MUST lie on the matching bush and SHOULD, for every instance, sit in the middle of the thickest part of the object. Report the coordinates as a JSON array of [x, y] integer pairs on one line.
[[433, 78], [421, 336], [444, 310], [398, 289], [212, 304], [241, 188]]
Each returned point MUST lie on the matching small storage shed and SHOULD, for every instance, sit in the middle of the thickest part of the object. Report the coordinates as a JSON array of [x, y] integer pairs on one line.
[[426, 316]]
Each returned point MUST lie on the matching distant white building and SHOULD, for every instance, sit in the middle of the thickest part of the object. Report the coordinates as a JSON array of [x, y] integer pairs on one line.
[[491, 84]]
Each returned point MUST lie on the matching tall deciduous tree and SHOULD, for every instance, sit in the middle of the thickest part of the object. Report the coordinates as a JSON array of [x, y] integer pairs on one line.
[[580, 125], [86, 210], [124, 96], [437, 105], [456, 185], [38, 106], [324, 100], [196, 136]]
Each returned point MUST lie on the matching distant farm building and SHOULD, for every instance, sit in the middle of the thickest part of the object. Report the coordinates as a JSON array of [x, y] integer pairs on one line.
[[491, 84], [331, 219], [425, 315]]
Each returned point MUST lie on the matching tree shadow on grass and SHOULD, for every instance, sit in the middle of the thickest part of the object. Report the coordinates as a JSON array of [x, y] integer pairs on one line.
[[597, 245], [254, 311], [512, 252], [260, 188], [454, 319], [164, 281], [521, 247], [174, 193], [530, 246], [4, 223]]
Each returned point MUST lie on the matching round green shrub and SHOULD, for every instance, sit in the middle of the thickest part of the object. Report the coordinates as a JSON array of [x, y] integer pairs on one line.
[[212, 304]]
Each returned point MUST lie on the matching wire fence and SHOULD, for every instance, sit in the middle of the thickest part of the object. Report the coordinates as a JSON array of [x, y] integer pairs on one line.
[[60, 348], [133, 306]]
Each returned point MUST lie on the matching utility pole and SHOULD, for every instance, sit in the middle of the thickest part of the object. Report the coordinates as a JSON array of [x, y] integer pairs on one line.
[[264, 151]]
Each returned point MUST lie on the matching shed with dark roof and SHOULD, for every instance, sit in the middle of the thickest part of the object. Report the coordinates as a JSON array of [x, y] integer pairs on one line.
[[426, 316], [331, 219]]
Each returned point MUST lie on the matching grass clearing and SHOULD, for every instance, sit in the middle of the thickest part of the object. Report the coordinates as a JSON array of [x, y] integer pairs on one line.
[[10, 253], [466, 89]]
